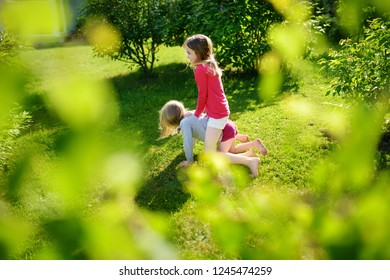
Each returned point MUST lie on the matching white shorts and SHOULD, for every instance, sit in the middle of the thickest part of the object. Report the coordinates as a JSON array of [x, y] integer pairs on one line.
[[217, 123]]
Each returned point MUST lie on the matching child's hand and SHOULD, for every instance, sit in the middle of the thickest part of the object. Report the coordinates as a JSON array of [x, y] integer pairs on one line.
[[184, 163]]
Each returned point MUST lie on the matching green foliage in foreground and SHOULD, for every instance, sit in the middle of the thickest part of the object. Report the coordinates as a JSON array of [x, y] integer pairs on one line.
[[91, 182]]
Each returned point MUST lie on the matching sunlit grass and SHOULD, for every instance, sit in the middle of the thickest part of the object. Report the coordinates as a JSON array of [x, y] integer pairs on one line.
[[53, 62]]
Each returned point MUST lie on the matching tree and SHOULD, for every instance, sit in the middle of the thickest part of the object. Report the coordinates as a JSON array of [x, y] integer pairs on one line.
[[140, 26]]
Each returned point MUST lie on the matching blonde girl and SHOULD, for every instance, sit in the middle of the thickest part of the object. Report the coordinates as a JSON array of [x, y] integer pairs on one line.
[[211, 94]]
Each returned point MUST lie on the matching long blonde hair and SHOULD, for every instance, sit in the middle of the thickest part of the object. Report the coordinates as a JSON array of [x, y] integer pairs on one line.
[[203, 48], [170, 116]]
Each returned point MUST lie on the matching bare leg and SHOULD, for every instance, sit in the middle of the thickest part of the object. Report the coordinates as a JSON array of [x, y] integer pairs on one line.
[[243, 138], [249, 153], [242, 147], [227, 145], [251, 162], [211, 139]]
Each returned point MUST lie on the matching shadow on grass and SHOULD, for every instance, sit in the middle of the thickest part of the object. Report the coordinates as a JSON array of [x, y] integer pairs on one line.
[[42, 117], [140, 98], [164, 191]]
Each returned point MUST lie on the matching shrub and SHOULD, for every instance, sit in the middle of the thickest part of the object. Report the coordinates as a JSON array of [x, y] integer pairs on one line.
[[238, 29], [326, 17], [360, 69], [17, 122], [8, 45], [12, 119]]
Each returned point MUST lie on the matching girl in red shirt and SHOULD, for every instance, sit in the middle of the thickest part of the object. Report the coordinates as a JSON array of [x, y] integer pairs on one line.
[[211, 95]]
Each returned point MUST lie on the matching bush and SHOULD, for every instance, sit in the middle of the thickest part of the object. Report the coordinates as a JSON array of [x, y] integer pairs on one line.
[[12, 119], [8, 45], [360, 69], [238, 29], [17, 122]]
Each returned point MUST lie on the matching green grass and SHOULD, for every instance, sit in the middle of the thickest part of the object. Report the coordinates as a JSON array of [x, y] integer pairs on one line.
[[289, 127]]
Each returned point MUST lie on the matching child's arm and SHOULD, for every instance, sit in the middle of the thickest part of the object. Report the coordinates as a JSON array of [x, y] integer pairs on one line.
[[188, 141], [201, 82], [188, 152]]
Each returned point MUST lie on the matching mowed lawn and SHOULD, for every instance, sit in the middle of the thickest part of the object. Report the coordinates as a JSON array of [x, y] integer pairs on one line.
[[290, 127]]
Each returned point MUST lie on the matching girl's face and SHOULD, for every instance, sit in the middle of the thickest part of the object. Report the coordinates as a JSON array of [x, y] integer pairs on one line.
[[191, 55]]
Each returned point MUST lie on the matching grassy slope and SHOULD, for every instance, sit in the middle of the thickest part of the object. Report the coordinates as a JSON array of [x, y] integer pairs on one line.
[[290, 128]]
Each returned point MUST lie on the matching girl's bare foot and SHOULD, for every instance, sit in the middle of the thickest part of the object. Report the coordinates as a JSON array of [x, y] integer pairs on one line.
[[253, 166], [262, 149]]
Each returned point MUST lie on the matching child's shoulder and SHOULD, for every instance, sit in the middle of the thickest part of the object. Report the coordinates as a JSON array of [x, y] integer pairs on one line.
[[188, 120], [201, 67], [204, 68]]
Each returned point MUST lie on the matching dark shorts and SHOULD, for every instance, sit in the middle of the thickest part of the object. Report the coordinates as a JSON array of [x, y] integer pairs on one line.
[[230, 131]]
